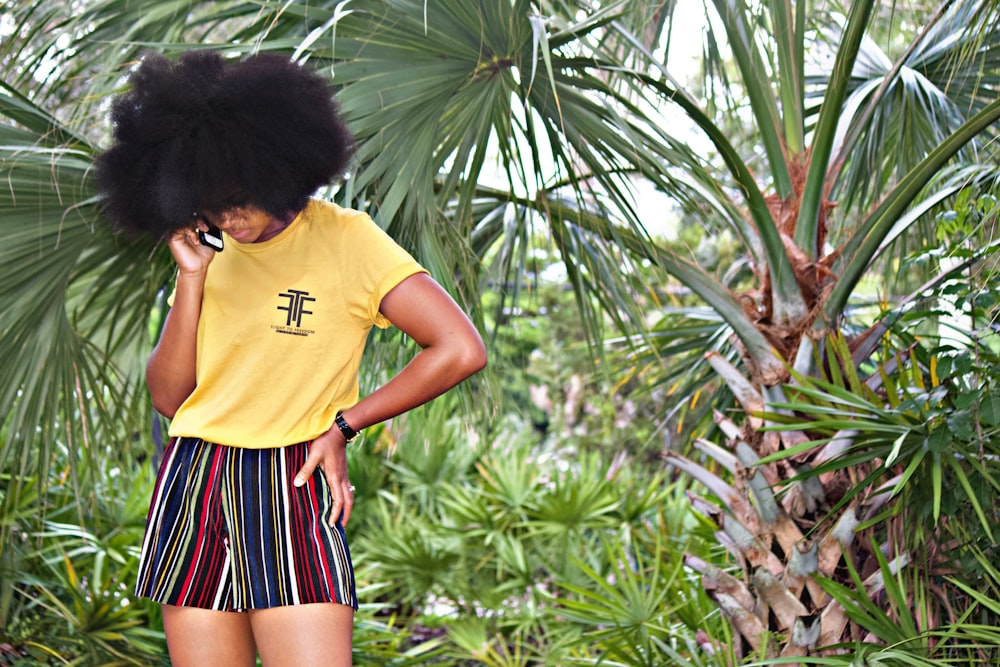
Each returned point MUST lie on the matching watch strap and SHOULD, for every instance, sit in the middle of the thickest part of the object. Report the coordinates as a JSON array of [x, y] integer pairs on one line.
[[345, 428]]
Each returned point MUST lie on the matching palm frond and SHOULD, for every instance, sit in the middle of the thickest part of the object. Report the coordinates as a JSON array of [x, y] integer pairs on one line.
[[75, 297]]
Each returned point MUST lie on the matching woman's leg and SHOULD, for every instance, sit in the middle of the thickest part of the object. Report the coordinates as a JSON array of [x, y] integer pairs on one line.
[[198, 637], [317, 635]]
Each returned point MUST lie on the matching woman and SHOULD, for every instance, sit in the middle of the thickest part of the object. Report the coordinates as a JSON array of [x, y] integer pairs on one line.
[[257, 364]]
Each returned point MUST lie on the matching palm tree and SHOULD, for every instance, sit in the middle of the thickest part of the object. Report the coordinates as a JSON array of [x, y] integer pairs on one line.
[[481, 122]]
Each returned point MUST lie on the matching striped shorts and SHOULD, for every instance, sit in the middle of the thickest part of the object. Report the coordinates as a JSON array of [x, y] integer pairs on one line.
[[227, 530]]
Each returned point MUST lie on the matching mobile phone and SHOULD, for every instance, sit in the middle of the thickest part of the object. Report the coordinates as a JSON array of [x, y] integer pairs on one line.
[[212, 238]]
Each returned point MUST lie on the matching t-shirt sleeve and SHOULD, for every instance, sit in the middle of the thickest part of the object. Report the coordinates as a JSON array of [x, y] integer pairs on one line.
[[381, 265]]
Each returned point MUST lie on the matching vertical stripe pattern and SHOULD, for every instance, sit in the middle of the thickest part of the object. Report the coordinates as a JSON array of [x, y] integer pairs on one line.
[[227, 530]]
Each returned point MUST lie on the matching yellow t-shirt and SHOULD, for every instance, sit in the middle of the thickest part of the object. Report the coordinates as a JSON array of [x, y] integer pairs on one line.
[[283, 326]]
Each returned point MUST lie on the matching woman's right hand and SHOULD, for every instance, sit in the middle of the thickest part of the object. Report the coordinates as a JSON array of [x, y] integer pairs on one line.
[[191, 255]]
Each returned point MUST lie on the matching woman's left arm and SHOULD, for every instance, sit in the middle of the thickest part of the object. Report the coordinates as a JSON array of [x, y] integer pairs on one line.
[[451, 351]]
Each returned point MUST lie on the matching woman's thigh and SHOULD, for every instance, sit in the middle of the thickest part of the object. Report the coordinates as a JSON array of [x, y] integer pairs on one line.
[[198, 637], [305, 634]]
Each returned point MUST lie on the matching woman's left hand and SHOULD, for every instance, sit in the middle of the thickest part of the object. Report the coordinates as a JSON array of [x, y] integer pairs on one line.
[[328, 456]]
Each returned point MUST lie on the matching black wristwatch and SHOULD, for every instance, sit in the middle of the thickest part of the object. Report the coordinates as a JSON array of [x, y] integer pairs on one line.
[[345, 428]]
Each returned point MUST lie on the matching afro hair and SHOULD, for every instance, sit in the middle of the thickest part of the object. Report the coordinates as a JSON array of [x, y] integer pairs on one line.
[[204, 134]]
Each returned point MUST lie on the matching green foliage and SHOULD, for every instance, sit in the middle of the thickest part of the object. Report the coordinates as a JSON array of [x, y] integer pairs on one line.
[[511, 553], [635, 607], [902, 620], [920, 433], [69, 568]]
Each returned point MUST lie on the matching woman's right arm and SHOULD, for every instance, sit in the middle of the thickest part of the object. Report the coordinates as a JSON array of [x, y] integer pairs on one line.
[[170, 372]]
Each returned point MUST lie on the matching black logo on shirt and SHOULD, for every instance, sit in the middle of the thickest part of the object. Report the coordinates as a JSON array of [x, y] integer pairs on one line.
[[297, 301]]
